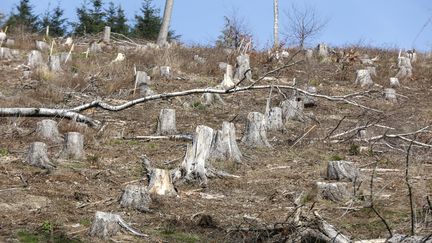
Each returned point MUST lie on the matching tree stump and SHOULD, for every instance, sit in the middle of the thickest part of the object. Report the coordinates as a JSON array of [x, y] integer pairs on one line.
[[167, 122], [222, 65], [105, 225], [198, 59], [107, 34], [5, 54], [69, 41], [390, 95], [255, 134], [225, 146], [42, 46], [394, 82], [165, 72], [212, 99], [54, 63], [309, 55], [398, 238], [95, 47], [3, 36], [309, 101], [161, 183], [142, 81], [136, 197], [342, 170], [47, 129], [363, 78], [274, 119], [336, 191], [322, 51], [35, 59], [73, 146], [292, 109], [372, 71], [243, 68], [38, 156], [65, 57], [194, 163], [10, 43], [228, 78], [405, 68]]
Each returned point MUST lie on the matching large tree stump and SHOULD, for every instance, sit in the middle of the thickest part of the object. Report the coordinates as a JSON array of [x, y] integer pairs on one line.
[[165, 72], [292, 109], [35, 59], [322, 51], [342, 170], [95, 47], [47, 129], [309, 54], [390, 95], [10, 43], [167, 122], [3, 36], [243, 68], [105, 225], [309, 101], [274, 119], [161, 183], [55, 63], [405, 68], [225, 146], [73, 146], [363, 78], [142, 81], [42, 46], [335, 191], [255, 134], [194, 163], [38, 156], [394, 82], [107, 34], [136, 197], [228, 82]]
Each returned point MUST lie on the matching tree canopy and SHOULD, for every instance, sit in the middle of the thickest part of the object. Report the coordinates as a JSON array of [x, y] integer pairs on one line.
[[23, 18], [54, 19]]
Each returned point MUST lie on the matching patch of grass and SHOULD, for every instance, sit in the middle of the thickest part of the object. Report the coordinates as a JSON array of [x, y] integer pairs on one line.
[[4, 152], [75, 165], [47, 227], [25, 236], [152, 146], [115, 142], [85, 222], [354, 149], [198, 105], [175, 236], [336, 157], [133, 142]]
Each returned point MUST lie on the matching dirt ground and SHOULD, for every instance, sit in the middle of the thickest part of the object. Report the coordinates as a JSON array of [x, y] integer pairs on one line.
[[59, 206]]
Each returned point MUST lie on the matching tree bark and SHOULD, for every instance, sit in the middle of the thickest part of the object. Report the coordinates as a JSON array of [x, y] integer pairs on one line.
[[37, 156], [274, 120], [35, 59], [54, 63], [136, 197], [225, 146], [335, 191], [342, 170], [167, 122], [163, 32], [74, 146], [255, 134], [363, 78], [47, 129], [276, 24]]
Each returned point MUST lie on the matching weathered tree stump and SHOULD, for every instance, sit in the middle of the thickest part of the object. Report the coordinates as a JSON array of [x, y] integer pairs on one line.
[[212, 99], [3, 36], [160, 180], [390, 95], [73, 146], [342, 170], [228, 78], [47, 129], [274, 119], [364, 78], [142, 81], [42, 46], [309, 54], [95, 47], [136, 197], [222, 65], [55, 63], [309, 101], [5, 54], [394, 82], [336, 191], [38, 156], [225, 146], [318, 230], [65, 57], [165, 72], [167, 122], [105, 225], [10, 43], [69, 41], [292, 109], [198, 59], [323, 52], [372, 71], [255, 134], [243, 68], [35, 59], [405, 68], [194, 163], [107, 34]]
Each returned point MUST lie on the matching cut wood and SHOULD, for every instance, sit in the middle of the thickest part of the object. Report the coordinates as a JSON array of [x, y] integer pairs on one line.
[[212, 99], [165, 72], [342, 170], [136, 197], [309, 101], [167, 122], [42, 45], [161, 183], [372, 71], [106, 225], [47, 129], [95, 47], [54, 63], [73, 147], [37, 155], [274, 120], [390, 95], [399, 238], [363, 78], [292, 109], [225, 146], [107, 34], [309, 54], [333, 191], [35, 59], [185, 137], [228, 78], [255, 134], [319, 230], [5, 54], [405, 68], [322, 51], [243, 68], [394, 82], [10, 43]]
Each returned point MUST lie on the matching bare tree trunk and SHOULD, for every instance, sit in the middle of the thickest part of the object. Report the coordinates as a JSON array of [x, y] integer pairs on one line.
[[107, 34], [163, 32], [276, 24]]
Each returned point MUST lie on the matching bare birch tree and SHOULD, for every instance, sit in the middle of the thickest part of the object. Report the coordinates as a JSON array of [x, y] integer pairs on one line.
[[276, 24], [163, 32]]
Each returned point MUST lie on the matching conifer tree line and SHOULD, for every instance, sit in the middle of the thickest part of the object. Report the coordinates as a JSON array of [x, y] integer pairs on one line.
[[92, 17]]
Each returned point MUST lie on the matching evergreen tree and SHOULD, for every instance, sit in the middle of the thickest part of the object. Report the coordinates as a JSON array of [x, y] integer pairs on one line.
[[90, 20], [24, 19], [116, 19], [148, 24], [54, 19]]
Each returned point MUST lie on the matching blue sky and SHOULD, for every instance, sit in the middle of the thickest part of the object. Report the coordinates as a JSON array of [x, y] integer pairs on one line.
[[382, 23]]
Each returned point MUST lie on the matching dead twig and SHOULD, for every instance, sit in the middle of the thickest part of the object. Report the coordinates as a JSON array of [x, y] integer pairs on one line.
[[410, 188]]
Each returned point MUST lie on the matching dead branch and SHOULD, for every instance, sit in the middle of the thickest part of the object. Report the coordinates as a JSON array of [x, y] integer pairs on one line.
[[410, 188], [184, 137]]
